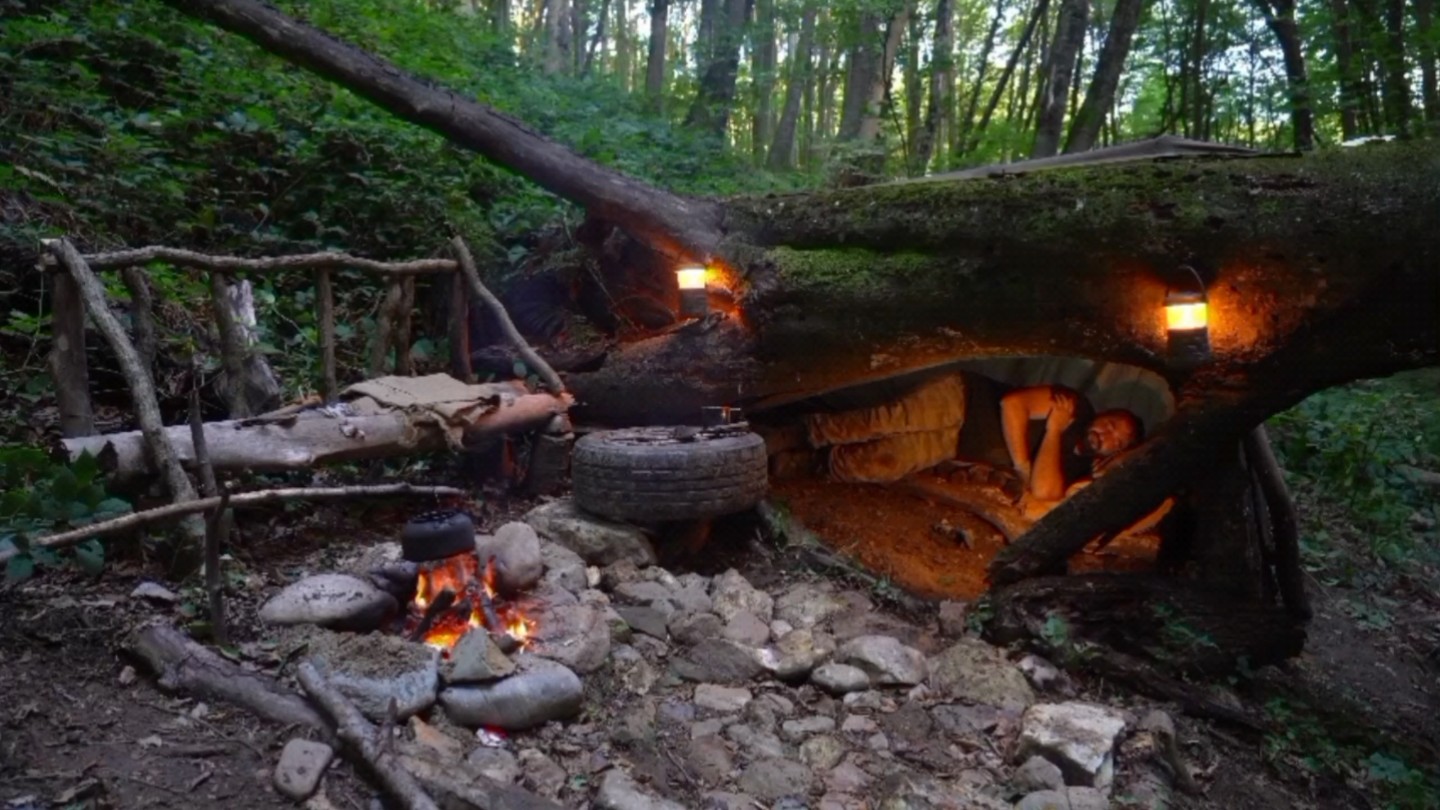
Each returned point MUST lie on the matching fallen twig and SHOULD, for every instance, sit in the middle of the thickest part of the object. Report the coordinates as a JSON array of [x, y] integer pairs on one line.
[[264, 496], [354, 729], [189, 258]]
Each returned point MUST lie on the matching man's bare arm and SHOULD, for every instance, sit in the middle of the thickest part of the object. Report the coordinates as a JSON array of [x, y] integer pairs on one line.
[[1017, 408]]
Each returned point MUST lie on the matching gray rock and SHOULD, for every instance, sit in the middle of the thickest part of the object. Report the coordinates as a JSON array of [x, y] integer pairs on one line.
[[1078, 737], [302, 763], [745, 628], [693, 628], [974, 671], [596, 540], [822, 752], [475, 658], [564, 567], [647, 620], [953, 618], [1075, 798], [373, 668], [541, 773], [797, 653], [540, 692], [677, 711], [838, 679], [578, 637], [963, 720], [709, 758], [636, 724], [797, 730], [731, 593], [871, 700], [884, 659], [496, 763], [770, 779], [155, 592], [755, 743], [1038, 773], [714, 725], [779, 628], [632, 670], [619, 792], [859, 724], [692, 594], [643, 592], [847, 777], [718, 661], [779, 704], [336, 601], [721, 698], [722, 800], [518, 562], [807, 604], [620, 630], [1041, 673]]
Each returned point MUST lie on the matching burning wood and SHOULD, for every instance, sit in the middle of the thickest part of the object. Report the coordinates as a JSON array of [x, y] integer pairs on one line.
[[453, 597]]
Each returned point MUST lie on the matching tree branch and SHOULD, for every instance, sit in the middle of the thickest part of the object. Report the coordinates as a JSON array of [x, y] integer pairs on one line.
[[190, 258], [477, 288]]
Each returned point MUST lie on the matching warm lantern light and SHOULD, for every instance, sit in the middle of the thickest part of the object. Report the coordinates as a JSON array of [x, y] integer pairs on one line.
[[1187, 319], [693, 301]]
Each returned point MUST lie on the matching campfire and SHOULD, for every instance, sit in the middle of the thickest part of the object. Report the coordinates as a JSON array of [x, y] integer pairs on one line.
[[454, 596]]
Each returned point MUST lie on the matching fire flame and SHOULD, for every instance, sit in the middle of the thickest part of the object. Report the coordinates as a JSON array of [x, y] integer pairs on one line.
[[462, 576]]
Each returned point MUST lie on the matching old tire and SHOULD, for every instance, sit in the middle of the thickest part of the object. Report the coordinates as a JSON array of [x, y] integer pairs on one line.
[[655, 474]]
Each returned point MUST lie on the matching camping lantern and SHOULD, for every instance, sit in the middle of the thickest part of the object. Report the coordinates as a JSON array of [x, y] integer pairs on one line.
[[693, 301], [1187, 321]]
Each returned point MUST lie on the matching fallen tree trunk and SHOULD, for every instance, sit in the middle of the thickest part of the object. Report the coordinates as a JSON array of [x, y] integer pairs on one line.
[[313, 438]]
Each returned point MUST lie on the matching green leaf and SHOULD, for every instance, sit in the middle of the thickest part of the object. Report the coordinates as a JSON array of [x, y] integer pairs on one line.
[[45, 557], [19, 568], [65, 485], [14, 502], [85, 468], [90, 556], [110, 507]]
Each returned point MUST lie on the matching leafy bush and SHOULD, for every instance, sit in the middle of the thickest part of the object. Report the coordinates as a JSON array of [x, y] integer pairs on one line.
[[40, 495]]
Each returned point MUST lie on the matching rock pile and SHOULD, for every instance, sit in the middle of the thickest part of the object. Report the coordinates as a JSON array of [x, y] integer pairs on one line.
[[646, 689]]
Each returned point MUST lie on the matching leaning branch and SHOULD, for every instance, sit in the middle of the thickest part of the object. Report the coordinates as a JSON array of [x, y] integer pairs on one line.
[[478, 289], [309, 261], [130, 521]]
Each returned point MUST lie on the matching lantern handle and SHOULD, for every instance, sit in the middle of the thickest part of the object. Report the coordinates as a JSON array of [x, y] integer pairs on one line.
[[1199, 282]]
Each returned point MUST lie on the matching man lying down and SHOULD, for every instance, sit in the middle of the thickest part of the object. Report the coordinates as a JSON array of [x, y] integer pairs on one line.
[[1048, 436]]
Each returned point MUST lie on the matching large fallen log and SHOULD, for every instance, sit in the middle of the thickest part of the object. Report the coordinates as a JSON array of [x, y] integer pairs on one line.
[[315, 438]]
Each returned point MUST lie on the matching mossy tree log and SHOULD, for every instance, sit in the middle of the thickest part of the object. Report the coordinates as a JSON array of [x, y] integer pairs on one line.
[[1320, 269]]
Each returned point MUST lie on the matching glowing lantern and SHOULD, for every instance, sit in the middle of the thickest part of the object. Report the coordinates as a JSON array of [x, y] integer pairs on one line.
[[693, 302], [1187, 320]]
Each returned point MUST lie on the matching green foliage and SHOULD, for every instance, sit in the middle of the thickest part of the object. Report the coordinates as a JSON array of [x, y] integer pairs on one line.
[[40, 495], [1353, 445]]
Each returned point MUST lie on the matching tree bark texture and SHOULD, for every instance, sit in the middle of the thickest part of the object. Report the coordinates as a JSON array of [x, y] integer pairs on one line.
[[762, 78], [655, 62], [1280, 16], [1069, 36], [710, 111], [861, 76], [941, 84], [782, 150], [1100, 95], [1425, 55], [68, 366]]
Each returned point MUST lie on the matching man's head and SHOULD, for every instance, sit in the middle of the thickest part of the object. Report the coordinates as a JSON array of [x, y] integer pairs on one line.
[[1113, 431]]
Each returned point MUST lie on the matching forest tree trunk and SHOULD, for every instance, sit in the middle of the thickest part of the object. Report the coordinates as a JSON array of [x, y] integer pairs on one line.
[[1280, 16], [1069, 36], [762, 79], [710, 112], [1101, 92], [942, 63], [1425, 54], [655, 64], [782, 150], [1351, 92]]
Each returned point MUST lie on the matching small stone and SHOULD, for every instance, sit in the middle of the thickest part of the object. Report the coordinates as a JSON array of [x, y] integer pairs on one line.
[[564, 567], [596, 540], [678, 711], [709, 757], [754, 742], [847, 777], [592, 576], [642, 592], [542, 775], [633, 671], [693, 628], [973, 671], [127, 675], [542, 691], [884, 659], [692, 594], [1041, 673], [302, 763], [496, 763], [714, 725], [1075, 798], [647, 620], [797, 730], [779, 628], [731, 593], [576, 636], [516, 550], [797, 653], [155, 592], [878, 742], [838, 679], [619, 792], [807, 604], [721, 698], [773, 778], [745, 628], [858, 724], [718, 661], [871, 700], [953, 618], [336, 601], [822, 752], [1038, 773], [722, 800], [637, 724], [620, 630], [1078, 737], [475, 658]]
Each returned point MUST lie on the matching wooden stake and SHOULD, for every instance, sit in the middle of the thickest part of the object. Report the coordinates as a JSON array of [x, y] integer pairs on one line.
[[477, 287], [404, 364], [232, 347], [217, 527], [1284, 526], [142, 314], [325, 314], [142, 390], [68, 366], [385, 329], [460, 330]]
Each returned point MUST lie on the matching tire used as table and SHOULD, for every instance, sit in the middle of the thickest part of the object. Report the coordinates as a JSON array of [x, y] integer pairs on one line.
[[656, 474]]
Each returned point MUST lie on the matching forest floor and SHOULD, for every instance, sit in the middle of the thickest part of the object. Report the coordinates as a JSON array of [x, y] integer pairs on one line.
[[80, 728]]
